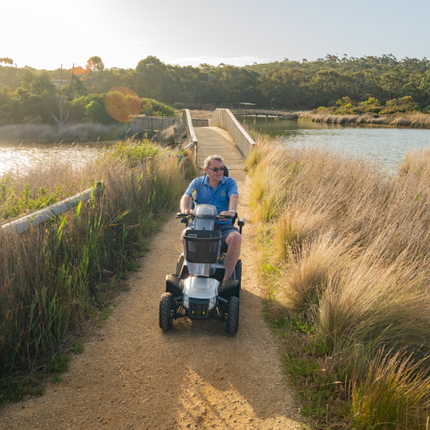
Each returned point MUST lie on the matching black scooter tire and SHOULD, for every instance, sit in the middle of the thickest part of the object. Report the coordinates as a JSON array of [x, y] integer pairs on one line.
[[232, 325], [165, 314]]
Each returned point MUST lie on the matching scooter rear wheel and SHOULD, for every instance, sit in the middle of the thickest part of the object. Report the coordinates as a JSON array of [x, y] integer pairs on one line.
[[232, 324], [166, 312]]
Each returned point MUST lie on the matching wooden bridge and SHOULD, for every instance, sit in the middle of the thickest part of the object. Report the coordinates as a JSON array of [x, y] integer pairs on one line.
[[223, 136], [267, 113]]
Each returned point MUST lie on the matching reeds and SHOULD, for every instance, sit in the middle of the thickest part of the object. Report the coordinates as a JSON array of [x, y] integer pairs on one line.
[[85, 132], [351, 249], [412, 120], [52, 275]]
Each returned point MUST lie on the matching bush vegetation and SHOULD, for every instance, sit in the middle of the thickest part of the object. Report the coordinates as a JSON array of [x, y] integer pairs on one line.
[[29, 95], [402, 112], [347, 259], [54, 275]]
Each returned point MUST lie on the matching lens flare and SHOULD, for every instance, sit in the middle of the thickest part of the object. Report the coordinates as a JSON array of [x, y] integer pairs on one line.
[[79, 70], [122, 104]]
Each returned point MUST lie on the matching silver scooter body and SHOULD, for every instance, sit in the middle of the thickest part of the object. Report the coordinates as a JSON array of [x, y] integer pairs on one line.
[[199, 285]]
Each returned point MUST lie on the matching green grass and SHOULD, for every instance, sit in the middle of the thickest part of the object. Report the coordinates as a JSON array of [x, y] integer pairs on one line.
[[77, 347], [14, 203]]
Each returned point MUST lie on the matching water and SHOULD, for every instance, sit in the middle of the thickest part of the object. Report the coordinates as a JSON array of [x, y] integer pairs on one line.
[[20, 158], [388, 146]]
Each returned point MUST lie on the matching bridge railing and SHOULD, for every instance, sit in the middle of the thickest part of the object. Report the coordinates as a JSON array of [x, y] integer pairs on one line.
[[185, 134], [152, 123], [266, 112], [223, 118]]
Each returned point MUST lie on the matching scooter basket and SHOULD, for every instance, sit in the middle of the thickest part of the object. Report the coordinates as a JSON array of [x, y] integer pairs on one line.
[[202, 246]]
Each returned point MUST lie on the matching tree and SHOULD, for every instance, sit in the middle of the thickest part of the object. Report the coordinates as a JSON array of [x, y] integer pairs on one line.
[[151, 76], [95, 64], [6, 60], [61, 121]]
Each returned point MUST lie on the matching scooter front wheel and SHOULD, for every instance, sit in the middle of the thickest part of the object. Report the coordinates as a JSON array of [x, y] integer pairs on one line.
[[166, 312], [232, 325]]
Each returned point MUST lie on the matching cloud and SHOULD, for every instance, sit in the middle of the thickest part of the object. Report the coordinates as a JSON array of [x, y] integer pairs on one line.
[[215, 60]]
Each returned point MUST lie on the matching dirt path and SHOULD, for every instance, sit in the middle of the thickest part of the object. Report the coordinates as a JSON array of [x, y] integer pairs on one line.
[[134, 376]]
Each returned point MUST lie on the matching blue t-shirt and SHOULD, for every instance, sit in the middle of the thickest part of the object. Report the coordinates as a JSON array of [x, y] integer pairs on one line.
[[218, 197]]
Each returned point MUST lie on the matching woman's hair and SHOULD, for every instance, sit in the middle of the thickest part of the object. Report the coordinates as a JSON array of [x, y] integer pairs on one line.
[[212, 157]]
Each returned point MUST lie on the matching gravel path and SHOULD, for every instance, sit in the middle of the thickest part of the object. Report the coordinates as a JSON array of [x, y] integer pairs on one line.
[[134, 376]]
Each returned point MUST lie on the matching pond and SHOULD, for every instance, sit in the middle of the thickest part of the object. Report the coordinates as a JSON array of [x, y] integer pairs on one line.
[[20, 158], [388, 146]]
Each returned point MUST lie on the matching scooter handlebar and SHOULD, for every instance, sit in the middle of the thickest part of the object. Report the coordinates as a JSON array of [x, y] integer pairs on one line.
[[182, 215], [224, 217]]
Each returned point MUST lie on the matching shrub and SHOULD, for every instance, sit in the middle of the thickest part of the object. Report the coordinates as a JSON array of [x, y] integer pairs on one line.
[[178, 105], [153, 108]]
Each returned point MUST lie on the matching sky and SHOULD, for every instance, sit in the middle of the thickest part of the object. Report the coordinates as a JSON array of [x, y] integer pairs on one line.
[[45, 34]]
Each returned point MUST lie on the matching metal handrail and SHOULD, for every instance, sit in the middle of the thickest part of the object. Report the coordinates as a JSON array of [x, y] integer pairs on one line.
[[22, 224]]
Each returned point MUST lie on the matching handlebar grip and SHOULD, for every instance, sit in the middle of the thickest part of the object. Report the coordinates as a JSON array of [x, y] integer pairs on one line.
[[224, 217]]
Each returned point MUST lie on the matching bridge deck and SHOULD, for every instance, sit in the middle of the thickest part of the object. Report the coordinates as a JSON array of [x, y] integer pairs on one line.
[[215, 140]]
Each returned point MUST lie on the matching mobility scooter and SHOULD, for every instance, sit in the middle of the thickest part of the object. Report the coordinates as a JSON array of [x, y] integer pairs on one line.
[[196, 289]]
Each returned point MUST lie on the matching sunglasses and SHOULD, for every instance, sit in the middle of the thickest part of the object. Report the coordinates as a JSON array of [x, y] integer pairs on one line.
[[216, 169]]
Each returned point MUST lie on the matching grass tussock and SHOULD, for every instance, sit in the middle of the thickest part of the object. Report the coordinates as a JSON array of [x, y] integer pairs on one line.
[[347, 248], [392, 394], [166, 136], [55, 275]]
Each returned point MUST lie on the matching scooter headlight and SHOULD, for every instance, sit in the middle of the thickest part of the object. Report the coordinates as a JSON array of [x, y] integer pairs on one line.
[[186, 301], [212, 302]]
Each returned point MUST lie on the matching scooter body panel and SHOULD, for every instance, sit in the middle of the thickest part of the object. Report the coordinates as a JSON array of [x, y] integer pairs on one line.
[[200, 288]]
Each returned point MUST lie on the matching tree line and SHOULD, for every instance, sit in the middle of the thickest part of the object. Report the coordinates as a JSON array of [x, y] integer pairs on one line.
[[29, 95]]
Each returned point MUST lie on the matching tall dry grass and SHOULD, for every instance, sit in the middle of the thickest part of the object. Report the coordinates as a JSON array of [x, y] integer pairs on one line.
[[351, 247], [52, 275]]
